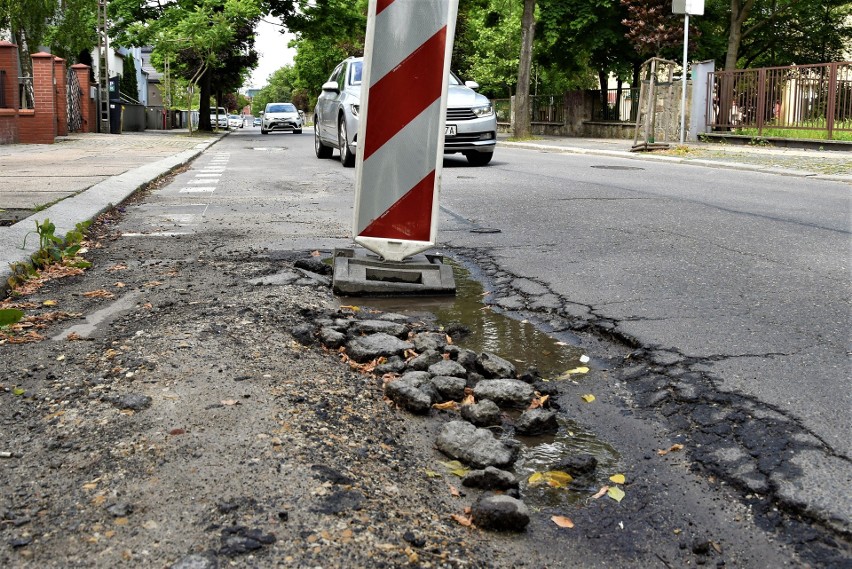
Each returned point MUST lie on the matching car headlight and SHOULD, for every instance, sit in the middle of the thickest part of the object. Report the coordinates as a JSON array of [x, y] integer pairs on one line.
[[355, 109], [483, 111]]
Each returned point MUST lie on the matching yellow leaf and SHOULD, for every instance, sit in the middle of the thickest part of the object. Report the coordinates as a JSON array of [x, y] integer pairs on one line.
[[615, 493], [617, 478], [50, 303], [431, 473], [553, 478], [350, 307], [588, 398], [447, 406], [575, 371], [455, 467], [562, 521]]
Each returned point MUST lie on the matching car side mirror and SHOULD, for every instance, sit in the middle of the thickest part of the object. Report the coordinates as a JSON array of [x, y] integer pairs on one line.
[[331, 86], [471, 85]]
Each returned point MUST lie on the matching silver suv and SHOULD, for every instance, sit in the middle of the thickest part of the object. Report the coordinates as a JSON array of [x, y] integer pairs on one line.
[[471, 123], [281, 116]]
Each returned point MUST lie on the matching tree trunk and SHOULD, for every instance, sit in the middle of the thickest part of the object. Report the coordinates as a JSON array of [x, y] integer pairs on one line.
[[204, 102], [522, 96], [739, 13]]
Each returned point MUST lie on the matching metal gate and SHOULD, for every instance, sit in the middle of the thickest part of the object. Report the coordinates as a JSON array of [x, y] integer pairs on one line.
[[75, 98]]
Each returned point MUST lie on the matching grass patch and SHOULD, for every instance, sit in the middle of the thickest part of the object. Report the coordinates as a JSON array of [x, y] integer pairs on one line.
[[810, 134]]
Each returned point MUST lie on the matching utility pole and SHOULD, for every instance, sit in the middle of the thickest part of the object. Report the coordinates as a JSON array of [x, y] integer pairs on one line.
[[103, 67], [686, 7]]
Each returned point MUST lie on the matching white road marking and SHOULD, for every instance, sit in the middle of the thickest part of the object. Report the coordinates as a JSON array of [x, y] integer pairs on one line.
[[199, 189]]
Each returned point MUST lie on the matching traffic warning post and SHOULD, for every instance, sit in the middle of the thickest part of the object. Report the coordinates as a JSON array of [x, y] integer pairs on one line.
[[402, 119]]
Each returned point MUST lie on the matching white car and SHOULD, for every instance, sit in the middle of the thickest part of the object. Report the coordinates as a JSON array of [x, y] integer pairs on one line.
[[235, 121], [281, 116], [471, 124]]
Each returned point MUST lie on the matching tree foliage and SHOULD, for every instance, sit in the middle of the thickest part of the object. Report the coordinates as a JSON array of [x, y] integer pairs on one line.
[[128, 83]]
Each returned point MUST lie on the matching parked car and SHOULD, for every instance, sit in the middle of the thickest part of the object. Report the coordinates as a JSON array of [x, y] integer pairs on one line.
[[256, 121], [235, 121], [471, 124], [222, 117], [281, 116]]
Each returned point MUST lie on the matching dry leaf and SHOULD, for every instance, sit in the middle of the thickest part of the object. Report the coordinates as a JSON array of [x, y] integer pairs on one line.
[[462, 520], [562, 521], [50, 303], [575, 371], [100, 293], [446, 406], [121, 521], [119, 267], [98, 500], [673, 448], [350, 307], [90, 486], [230, 402], [539, 401], [73, 336], [454, 491], [315, 253], [152, 284], [175, 432], [588, 398], [119, 285], [617, 478], [431, 473], [553, 478], [601, 492], [469, 399]]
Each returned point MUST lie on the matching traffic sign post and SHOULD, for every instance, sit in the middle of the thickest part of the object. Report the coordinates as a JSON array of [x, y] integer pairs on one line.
[[687, 8], [402, 119]]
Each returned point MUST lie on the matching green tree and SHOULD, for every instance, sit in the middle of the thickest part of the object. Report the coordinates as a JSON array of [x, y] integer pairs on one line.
[[128, 85], [208, 43]]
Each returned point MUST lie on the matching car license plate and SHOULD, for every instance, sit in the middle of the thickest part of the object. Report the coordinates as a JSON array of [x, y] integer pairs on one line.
[[450, 130]]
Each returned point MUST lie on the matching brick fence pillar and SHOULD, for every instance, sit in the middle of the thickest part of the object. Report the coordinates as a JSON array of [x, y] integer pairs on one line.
[[61, 102], [87, 105], [9, 109], [39, 125]]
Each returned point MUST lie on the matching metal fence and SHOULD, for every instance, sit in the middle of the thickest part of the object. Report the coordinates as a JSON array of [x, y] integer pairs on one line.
[[616, 105], [549, 109], [803, 97]]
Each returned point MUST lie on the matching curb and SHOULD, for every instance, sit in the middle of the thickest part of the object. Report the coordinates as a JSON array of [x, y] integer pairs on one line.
[[676, 160], [87, 205]]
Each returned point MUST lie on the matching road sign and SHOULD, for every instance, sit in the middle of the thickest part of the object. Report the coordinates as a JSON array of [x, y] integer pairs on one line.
[[691, 7], [402, 119]]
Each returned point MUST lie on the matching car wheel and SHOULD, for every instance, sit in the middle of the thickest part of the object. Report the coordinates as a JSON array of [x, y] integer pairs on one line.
[[297, 131], [321, 149], [478, 158], [346, 156], [263, 131]]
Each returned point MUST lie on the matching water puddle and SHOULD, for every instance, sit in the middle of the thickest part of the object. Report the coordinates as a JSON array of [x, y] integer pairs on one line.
[[526, 346]]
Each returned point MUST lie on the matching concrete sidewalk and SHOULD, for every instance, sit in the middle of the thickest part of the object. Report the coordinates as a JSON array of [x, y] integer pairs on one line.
[[81, 175], [823, 164]]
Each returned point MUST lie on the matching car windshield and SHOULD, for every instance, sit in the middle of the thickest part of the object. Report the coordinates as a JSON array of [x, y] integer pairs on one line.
[[233, 117], [283, 108]]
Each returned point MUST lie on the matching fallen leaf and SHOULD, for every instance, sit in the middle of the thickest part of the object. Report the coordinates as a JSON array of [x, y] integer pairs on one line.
[[50, 303], [119, 267], [462, 520], [673, 448], [588, 398], [617, 478], [575, 371], [350, 307], [469, 399], [175, 432], [90, 486], [716, 546], [615, 493], [119, 285], [100, 293], [431, 473], [98, 500], [18, 391], [110, 533], [152, 284], [539, 401], [454, 491], [446, 406], [553, 478], [230, 402], [601, 492], [455, 467], [121, 521], [562, 521], [73, 336]]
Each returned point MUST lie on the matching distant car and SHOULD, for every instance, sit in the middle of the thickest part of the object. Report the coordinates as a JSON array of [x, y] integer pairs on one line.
[[471, 124], [222, 115], [256, 121], [281, 116], [235, 121]]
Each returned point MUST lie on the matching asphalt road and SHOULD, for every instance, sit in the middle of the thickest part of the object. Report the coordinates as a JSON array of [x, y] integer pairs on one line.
[[733, 287]]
